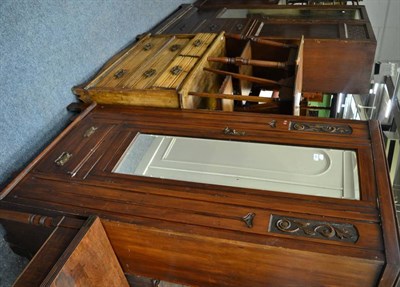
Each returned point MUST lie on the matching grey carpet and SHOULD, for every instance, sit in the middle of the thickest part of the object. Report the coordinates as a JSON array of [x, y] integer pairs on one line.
[[46, 48]]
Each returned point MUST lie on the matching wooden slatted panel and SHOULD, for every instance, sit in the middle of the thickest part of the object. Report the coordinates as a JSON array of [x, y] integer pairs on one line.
[[166, 54], [173, 81], [129, 62], [198, 45]]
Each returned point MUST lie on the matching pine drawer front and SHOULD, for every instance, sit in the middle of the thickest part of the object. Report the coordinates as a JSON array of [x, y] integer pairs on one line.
[[176, 73], [126, 66], [198, 45], [152, 71], [199, 80], [75, 151], [153, 67]]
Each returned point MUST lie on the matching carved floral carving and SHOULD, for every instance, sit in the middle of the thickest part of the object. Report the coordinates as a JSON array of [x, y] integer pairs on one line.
[[314, 229], [320, 128]]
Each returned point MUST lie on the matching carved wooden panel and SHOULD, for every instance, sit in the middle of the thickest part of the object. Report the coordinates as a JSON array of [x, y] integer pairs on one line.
[[313, 229], [320, 128]]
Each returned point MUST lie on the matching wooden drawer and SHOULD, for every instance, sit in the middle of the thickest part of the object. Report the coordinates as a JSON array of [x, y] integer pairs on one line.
[[74, 151], [153, 67], [150, 72], [176, 72], [127, 65], [198, 45]]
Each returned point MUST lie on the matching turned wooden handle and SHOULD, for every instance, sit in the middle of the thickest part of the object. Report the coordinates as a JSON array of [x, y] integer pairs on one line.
[[234, 97], [27, 218], [243, 61], [243, 77], [261, 41]]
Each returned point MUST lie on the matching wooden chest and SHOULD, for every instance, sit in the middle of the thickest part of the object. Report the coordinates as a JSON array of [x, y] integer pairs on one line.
[[225, 71], [339, 45], [157, 71], [328, 221]]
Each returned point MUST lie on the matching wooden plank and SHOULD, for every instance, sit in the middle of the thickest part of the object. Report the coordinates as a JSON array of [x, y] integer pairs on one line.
[[85, 265], [201, 261], [46, 257]]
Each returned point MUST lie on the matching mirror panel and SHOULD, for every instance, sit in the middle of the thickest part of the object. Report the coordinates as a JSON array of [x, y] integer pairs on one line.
[[282, 168]]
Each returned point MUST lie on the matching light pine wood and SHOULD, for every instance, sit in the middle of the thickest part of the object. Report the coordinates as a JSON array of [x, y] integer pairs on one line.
[[198, 45], [170, 80], [298, 83], [227, 88], [198, 81], [245, 85]]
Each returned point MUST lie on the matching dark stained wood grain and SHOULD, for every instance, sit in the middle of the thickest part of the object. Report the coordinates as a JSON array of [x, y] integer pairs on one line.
[[202, 261], [391, 235], [168, 219]]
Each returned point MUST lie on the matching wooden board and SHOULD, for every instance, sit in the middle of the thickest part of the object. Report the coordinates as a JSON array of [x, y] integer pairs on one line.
[[91, 263]]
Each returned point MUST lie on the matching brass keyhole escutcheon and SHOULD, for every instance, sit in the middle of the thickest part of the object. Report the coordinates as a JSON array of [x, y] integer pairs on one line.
[[197, 43], [175, 47], [120, 73], [147, 46], [149, 73], [176, 70], [248, 219]]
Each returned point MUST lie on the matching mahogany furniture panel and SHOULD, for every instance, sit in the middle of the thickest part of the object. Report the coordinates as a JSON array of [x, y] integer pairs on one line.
[[215, 235]]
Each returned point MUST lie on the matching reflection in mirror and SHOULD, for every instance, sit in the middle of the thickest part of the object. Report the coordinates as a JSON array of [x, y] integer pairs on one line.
[[282, 168]]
